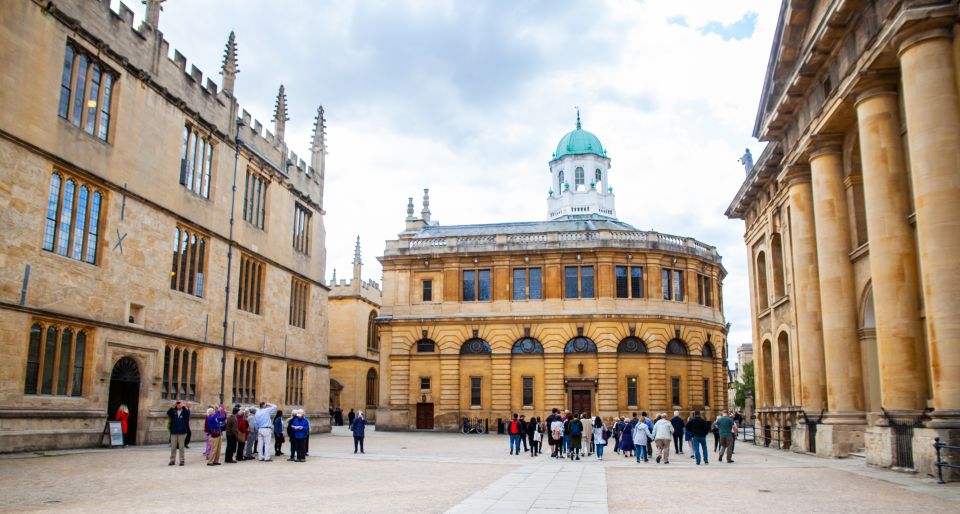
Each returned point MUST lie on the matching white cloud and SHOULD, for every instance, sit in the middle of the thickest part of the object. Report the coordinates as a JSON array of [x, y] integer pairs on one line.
[[471, 99]]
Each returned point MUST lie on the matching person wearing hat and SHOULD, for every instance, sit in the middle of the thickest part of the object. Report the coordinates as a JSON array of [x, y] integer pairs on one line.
[[358, 426]]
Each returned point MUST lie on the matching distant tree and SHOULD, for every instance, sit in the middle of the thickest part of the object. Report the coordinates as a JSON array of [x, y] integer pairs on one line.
[[746, 385]]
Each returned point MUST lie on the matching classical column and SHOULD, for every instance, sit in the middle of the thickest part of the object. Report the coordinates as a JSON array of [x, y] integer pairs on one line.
[[933, 132], [893, 262], [806, 289], [841, 348]]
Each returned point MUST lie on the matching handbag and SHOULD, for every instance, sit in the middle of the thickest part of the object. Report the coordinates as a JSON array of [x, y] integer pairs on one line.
[[280, 438], [537, 436]]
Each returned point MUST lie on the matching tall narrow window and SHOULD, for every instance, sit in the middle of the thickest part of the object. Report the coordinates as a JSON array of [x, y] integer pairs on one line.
[[196, 158], [79, 358], [519, 284], [586, 282], [483, 285], [672, 284], [299, 299], [164, 386], [561, 182], [86, 92], [636, 282], [631, 391], [255, 199], [372, 386], [186, 274], [578, 282], [426, 291], [475, 395], [536, 283], [373, 337], [301, 229], [294, 389], [244, 380], [72, 219], [578, 179], [675, 391], [704, 290], [63, 366], [623, 291], [598, 178], [32, 374], [706, 392], [469, 285], [528, 391], [49, 360], [251, 284], [570, 282]]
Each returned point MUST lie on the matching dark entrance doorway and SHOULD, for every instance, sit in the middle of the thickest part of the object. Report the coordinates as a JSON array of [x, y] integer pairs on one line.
[[580, 401], [125, 390], [424, 416]]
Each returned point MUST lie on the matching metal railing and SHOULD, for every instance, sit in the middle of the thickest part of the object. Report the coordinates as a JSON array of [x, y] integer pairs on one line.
[[475, 425], [937, 445], [779, 437], [748, 433]]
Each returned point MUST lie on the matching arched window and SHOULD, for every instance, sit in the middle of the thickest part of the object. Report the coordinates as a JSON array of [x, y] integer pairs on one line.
[[707, 350], [560, 185], [761, 276], [33, 360], [766, 372], [632, 344], [578, 179], [783, 369], [373, 338], [372, 389], [779, 282], [426, 346], [599, 177], [475, 346], [527, 345], [580, 344], [676, 347]]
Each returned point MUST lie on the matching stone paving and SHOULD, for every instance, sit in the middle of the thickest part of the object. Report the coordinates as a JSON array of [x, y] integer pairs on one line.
[[433, 472]]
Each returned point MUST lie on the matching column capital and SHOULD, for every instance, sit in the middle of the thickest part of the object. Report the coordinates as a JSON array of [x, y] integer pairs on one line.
[[910, 35], [824, 144], [793, 174], [872, 84]]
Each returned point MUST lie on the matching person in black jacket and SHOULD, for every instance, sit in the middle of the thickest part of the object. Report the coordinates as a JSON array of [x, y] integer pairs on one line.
[[699, 428], [678, 425], [179, 417], [531, 429]]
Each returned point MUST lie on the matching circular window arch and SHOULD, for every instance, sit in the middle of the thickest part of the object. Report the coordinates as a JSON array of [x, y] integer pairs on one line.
[[676, 346], [632, 344], [580, 344], [527, 345], [475, 346], [707, 350]]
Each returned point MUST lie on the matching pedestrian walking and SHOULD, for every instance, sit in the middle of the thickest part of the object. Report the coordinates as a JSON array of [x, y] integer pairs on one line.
[[699, 428], [617, 431], [278, 434], [574, 428], [358, 427], [626, 439], [678, 425], [716, 435], [640, 436], [599, 436], [662, 435], [727, 430], [179, 417], [587, 443], [230, 431], [301, 428], [532, 428]]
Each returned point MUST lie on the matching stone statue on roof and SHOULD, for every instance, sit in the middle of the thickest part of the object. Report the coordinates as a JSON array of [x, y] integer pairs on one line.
[[747, 160]]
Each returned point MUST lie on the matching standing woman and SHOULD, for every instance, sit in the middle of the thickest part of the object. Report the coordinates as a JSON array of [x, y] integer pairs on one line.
[[626, 439], [123, 413], [617, 429], [358, 427], [301, 428], [278, 433], [241, 434], [599, 441]]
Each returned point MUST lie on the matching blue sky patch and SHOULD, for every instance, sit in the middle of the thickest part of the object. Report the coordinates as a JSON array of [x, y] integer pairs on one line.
[[740, 29]]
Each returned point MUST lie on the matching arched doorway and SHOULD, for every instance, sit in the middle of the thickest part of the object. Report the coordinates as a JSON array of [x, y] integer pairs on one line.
[[783, 369], [125, 389]]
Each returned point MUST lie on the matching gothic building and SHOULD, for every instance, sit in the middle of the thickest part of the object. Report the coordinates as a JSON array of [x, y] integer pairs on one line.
[[852, 218], [158, 243], [582, 311]]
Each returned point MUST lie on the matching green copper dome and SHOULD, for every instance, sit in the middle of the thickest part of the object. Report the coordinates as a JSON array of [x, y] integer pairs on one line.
[[579, 142]]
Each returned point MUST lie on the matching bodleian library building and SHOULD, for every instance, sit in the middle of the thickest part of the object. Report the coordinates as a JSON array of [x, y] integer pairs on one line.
[[580, 311], [118, 166], [852, 216]]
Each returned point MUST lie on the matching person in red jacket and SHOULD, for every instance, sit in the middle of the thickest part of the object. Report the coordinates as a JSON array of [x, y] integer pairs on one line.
[[123, 413]]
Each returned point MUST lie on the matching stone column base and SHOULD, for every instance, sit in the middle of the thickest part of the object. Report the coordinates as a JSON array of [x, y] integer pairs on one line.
[[392, 419], [800, 439], [925, 456], [838, 441]]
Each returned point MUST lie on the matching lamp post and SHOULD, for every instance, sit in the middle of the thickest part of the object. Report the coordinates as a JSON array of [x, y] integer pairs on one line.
[[226, 290]]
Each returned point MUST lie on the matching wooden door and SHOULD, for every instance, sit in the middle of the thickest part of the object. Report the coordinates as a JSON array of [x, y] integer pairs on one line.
[[424, 416], [580, 401]]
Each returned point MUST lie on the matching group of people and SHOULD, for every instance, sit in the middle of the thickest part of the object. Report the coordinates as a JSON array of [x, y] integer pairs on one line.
[[572, 436], [250, 433], [336, 414]]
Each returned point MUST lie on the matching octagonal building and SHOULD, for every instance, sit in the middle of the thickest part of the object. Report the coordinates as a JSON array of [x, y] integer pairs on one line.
[[581, 312]]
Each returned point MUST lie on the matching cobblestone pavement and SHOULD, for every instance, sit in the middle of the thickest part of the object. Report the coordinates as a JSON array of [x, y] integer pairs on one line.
[[431, 472]]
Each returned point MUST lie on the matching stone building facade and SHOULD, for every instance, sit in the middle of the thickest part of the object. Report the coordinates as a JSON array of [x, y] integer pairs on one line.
[[581, 312], [118, 167], [852, 219], [354, 344]]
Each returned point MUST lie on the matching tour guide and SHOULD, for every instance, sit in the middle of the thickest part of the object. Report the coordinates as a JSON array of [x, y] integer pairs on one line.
[[263, 420]]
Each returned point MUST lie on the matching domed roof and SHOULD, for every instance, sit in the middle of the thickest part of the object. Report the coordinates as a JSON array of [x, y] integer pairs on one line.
[[579, 142]]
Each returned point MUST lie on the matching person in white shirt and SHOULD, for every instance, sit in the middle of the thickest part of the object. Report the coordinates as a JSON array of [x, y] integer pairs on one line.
[[662, 437]]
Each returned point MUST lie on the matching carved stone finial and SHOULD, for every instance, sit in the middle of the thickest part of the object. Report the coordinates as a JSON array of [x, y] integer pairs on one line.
[[425, 213], [229, 67], [152, 16], [334, 280], [410, 209], [280, 117], [356, 252]]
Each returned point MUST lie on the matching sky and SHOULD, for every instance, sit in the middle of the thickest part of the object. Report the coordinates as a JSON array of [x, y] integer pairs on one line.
[[469, 99]]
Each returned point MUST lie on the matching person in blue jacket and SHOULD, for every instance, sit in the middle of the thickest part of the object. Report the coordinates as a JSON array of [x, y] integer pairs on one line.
[[301, 429], [179, 416], [357, 427]]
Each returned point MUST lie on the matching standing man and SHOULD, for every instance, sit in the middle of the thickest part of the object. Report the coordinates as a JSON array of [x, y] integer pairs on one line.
[[251, 434], [727, 430], [179, 417], [264, 421], [231, 432], [662, 434], [358, 427], [699, 428], [513, 429], [350, 417], [523, 433], [678, 426]]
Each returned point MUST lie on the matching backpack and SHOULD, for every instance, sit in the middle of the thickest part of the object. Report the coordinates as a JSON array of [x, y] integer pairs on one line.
[[556, 431], [514, 427], [575, 428]]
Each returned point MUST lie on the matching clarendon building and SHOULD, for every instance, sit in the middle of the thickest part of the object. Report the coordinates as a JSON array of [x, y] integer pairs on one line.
[[852, 217], [158, 244], [581, 312]]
